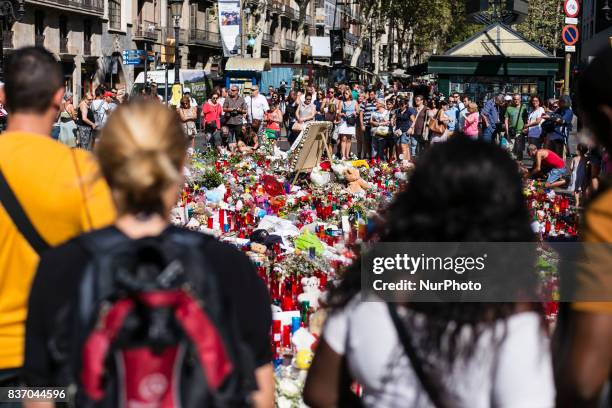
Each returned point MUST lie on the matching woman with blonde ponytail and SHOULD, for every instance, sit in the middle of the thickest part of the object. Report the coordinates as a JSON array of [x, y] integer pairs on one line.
[[142, 152]]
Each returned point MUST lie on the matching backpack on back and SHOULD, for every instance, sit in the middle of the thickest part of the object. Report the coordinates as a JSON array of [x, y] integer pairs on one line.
[[149, 327]]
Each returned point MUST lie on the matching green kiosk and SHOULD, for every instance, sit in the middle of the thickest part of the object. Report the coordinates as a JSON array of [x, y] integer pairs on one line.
[[497, 59]]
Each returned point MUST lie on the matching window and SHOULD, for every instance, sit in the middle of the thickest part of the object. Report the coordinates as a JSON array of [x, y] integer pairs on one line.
[[63, 26], [193, 16], [114, 14], [87, 30], [39, 22]]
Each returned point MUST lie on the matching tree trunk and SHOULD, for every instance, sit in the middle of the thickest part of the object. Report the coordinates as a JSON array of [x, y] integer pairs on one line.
[[299, 41], [363, 35], [260, 29]]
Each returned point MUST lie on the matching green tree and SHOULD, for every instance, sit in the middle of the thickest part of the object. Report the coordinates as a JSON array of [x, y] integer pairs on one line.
[[543, 24]]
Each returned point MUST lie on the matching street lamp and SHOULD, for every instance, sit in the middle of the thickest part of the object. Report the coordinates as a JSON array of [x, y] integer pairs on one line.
[[10, 11], [607, 10], [176, 9]]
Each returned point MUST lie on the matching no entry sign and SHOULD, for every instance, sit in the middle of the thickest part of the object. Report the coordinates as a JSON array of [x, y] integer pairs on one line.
[[570, 34], [572, 8]]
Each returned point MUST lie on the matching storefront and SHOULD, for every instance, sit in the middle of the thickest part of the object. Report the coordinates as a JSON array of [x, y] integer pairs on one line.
[[497, 59]]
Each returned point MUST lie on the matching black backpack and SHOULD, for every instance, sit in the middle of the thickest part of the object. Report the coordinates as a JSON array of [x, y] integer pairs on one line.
[[149, 326]]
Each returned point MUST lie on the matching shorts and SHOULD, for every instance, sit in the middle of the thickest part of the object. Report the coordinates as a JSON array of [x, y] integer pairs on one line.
[[555, 175], [403, 138]]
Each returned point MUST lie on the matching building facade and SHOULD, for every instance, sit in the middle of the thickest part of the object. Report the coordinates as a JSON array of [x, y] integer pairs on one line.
[[596, 29], [89, 36]]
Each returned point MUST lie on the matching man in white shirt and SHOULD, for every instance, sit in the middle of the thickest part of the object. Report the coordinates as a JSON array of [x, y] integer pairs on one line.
[[257, 105]]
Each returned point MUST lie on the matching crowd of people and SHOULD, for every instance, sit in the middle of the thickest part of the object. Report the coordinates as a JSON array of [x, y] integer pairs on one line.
[[70, 213]]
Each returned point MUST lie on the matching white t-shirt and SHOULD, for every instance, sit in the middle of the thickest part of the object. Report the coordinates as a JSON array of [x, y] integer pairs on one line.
[[257, 107], [535, 131], [516, 374]]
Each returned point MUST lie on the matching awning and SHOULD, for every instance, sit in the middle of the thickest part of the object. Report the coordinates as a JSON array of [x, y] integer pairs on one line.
[[248, 64]]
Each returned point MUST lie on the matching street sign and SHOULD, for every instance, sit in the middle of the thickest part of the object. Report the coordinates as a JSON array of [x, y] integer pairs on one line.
[[571, 20], [136, 57], [572, 8], [570, 35], [570, 48]]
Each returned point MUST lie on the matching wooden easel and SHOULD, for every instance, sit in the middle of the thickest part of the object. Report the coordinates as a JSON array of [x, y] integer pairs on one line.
[[317, 146]]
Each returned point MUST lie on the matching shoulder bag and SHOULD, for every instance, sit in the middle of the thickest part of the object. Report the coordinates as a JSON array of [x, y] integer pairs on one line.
[[436, 125], [433, 392]]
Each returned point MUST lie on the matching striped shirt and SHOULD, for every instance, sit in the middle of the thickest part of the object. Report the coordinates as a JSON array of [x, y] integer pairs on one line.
[[367, 108]]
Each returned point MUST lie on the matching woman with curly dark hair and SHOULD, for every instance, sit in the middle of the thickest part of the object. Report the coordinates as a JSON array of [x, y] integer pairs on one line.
[[464, 354]]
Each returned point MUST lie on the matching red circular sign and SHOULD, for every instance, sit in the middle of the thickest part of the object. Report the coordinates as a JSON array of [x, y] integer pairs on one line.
[[572, 8], [570, 34]]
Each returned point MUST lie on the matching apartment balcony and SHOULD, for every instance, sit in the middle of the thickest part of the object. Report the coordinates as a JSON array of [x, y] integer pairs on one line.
[[292, 13], [145, 31], [267, 40], [7, 39], [79, 6], [86, 47], [169, 33], [39, 40], [276, 7], [204, 37], [63, 46], [289, 45]]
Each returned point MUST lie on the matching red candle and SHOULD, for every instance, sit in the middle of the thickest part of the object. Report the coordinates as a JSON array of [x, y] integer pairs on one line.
[[210, 222], [221, 218], [286, 336]]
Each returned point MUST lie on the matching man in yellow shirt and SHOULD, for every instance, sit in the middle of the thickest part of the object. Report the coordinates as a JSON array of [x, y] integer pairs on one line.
[[48, 192]]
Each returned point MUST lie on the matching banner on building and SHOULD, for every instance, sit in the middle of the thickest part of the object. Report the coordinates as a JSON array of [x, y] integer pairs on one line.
[[229, 27], [336, 39]]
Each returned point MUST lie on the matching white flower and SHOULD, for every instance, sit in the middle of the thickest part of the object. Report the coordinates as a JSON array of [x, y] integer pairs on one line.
[[289, 388], [283, 402]]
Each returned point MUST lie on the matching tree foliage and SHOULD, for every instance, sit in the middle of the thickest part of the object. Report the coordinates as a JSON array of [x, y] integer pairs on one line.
[[543, 24]]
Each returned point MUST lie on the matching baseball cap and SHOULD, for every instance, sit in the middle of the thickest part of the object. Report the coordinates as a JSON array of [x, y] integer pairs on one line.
[[108, 94], [507, 98], [186, 90]]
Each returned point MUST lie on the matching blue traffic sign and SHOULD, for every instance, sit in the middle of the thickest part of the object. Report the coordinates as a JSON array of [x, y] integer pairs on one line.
[[136, 57]]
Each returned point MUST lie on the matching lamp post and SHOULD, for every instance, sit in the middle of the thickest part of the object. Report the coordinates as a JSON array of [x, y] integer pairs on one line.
[[10, 11], [176, 9], [607, 10]]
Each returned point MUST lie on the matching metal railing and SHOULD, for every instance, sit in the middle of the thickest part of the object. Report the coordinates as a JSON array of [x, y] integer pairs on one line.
[[7, 39], [96, 6], [204, 37], [39, 40], [145, 30], [276, 6], [86, 47], [289, 44], [63, 46], [267, 40], [169, 33]]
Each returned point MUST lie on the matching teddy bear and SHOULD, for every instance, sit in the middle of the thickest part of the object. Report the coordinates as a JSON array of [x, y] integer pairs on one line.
[[257, 252], [311, 291], [355, 183]]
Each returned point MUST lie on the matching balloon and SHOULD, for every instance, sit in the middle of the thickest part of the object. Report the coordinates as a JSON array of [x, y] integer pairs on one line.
[[272, 186]]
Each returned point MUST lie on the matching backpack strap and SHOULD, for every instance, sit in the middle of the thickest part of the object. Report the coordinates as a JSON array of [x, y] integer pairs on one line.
[[417, 364], [19, 217]]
